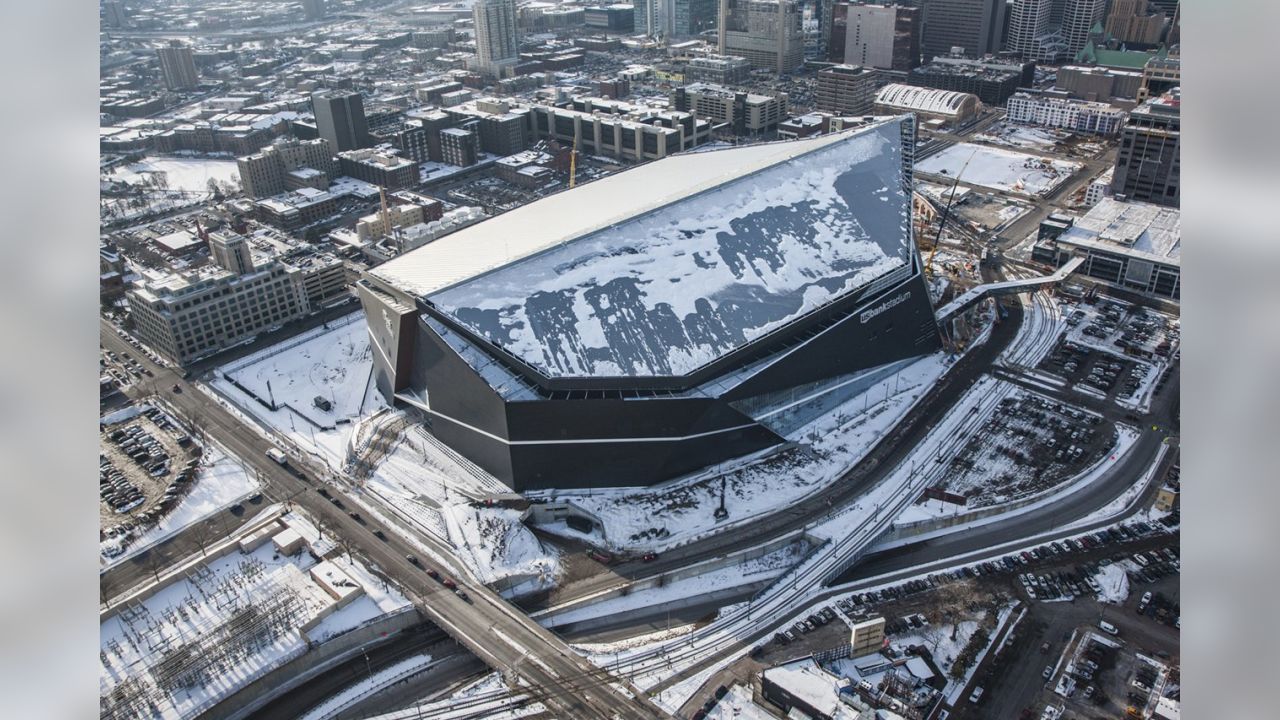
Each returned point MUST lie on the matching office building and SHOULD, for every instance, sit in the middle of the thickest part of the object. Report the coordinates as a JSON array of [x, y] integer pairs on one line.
[[114, 14], [497, 45], [992, 81], [886, 37], [620, 130], [1148, 163], [1080, 18], [845, 90], [178, 66], [340, 120], [611, 18], [973, 26], [1099, 84], [647, 20], [1135, 22], [297, 210], [718, 69], [1174, 35], [744, 113], [459, 146], [190, 315], [688, 18], [1132, 245], [612, 375], [379, 167], [765, 32], [1082, 116], [1160, 75], [1051, 30], [503, 127], [952, 109], [231, 251], [284, 165]]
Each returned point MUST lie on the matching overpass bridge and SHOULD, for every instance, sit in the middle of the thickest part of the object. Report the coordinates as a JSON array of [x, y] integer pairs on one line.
[[976, 294]]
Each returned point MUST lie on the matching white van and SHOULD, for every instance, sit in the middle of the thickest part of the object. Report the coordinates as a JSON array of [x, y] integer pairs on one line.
[[1108, 627], [275, 454]]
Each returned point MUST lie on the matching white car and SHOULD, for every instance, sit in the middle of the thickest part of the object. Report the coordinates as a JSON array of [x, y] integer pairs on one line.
[[1108, 627]]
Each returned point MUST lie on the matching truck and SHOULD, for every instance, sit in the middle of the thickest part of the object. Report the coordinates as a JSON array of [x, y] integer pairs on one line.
[[275, 454]]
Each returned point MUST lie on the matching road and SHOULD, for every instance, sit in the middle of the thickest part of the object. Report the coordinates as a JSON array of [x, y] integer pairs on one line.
[[500, 635]]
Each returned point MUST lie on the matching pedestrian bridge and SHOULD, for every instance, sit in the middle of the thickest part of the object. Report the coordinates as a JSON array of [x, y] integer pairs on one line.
[[976, 294]]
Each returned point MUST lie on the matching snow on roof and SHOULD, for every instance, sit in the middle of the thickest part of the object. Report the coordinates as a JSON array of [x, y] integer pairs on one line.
[[812, 685], [922, 99], [177, 241], [1136, 228], [660, 269]]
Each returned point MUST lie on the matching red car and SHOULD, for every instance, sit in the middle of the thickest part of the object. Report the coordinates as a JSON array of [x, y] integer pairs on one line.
[[449, 584], [434, 575], [650, 557]]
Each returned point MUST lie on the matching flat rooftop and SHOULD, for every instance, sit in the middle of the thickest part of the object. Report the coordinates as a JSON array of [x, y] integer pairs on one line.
[[658, 270], [1141, 229]]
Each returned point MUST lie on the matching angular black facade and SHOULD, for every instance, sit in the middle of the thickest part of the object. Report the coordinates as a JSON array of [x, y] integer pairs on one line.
[[513, 412]]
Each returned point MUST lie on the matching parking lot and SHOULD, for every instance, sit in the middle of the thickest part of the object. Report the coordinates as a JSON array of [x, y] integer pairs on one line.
[[1029, 444], [1103, 373], [145, 466]]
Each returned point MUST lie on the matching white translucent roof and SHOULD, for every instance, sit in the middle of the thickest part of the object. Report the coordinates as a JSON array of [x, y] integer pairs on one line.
[[922, 99], [559, 218]]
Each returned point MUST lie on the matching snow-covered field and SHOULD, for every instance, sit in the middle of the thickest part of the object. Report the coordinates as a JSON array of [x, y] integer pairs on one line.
[[999, 169], [334, 364], [683, 510], [1023, 136], [225, 623], [500, 546], [188, 174], [220, 482]]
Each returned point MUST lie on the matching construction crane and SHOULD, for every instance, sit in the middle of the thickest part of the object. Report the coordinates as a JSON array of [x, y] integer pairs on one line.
[[946, 212], [573, 156]]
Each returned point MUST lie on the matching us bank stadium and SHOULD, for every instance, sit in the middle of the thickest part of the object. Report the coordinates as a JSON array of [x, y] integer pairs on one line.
[[665, 318]]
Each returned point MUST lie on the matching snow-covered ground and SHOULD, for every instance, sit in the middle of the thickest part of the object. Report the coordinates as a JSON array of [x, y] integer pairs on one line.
[[682, 511], [187, 174], [500, 546], [1023, 136], [226, 622], [220, 482], [1114, 583], [635, 641], [333, 363], [999, 169]]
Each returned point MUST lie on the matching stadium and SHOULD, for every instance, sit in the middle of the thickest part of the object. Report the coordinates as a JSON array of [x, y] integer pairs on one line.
[[669, 317]]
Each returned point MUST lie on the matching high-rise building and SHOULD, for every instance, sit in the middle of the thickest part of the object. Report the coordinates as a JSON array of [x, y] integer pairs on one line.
[[313, 9], [687, 18], [746, 113], [1175, 26], [845, 90], [1079, 18], [178, 65], [114, 14], [878, 36], [647, 18], [765, 32], [497, 47], [287, 164], [1049, 30], [1135, 22], [1149, 160], [972, 25], [340, 120]]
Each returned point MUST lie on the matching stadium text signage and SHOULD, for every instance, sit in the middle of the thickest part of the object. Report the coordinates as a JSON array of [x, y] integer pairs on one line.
[[887, 304]]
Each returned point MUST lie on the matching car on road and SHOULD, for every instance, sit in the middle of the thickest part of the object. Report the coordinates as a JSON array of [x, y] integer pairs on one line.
[[433, 573], [649, 557], [1048, 672], [462, 594], [976, 695], [356, 516], [1108, 627], [275, 454], [449, 583], [411, 559], [380, 535]]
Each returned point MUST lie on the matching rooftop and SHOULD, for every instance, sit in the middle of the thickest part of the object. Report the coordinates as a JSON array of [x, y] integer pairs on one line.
[[922, 99], [661, 269], [1150, 231]]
